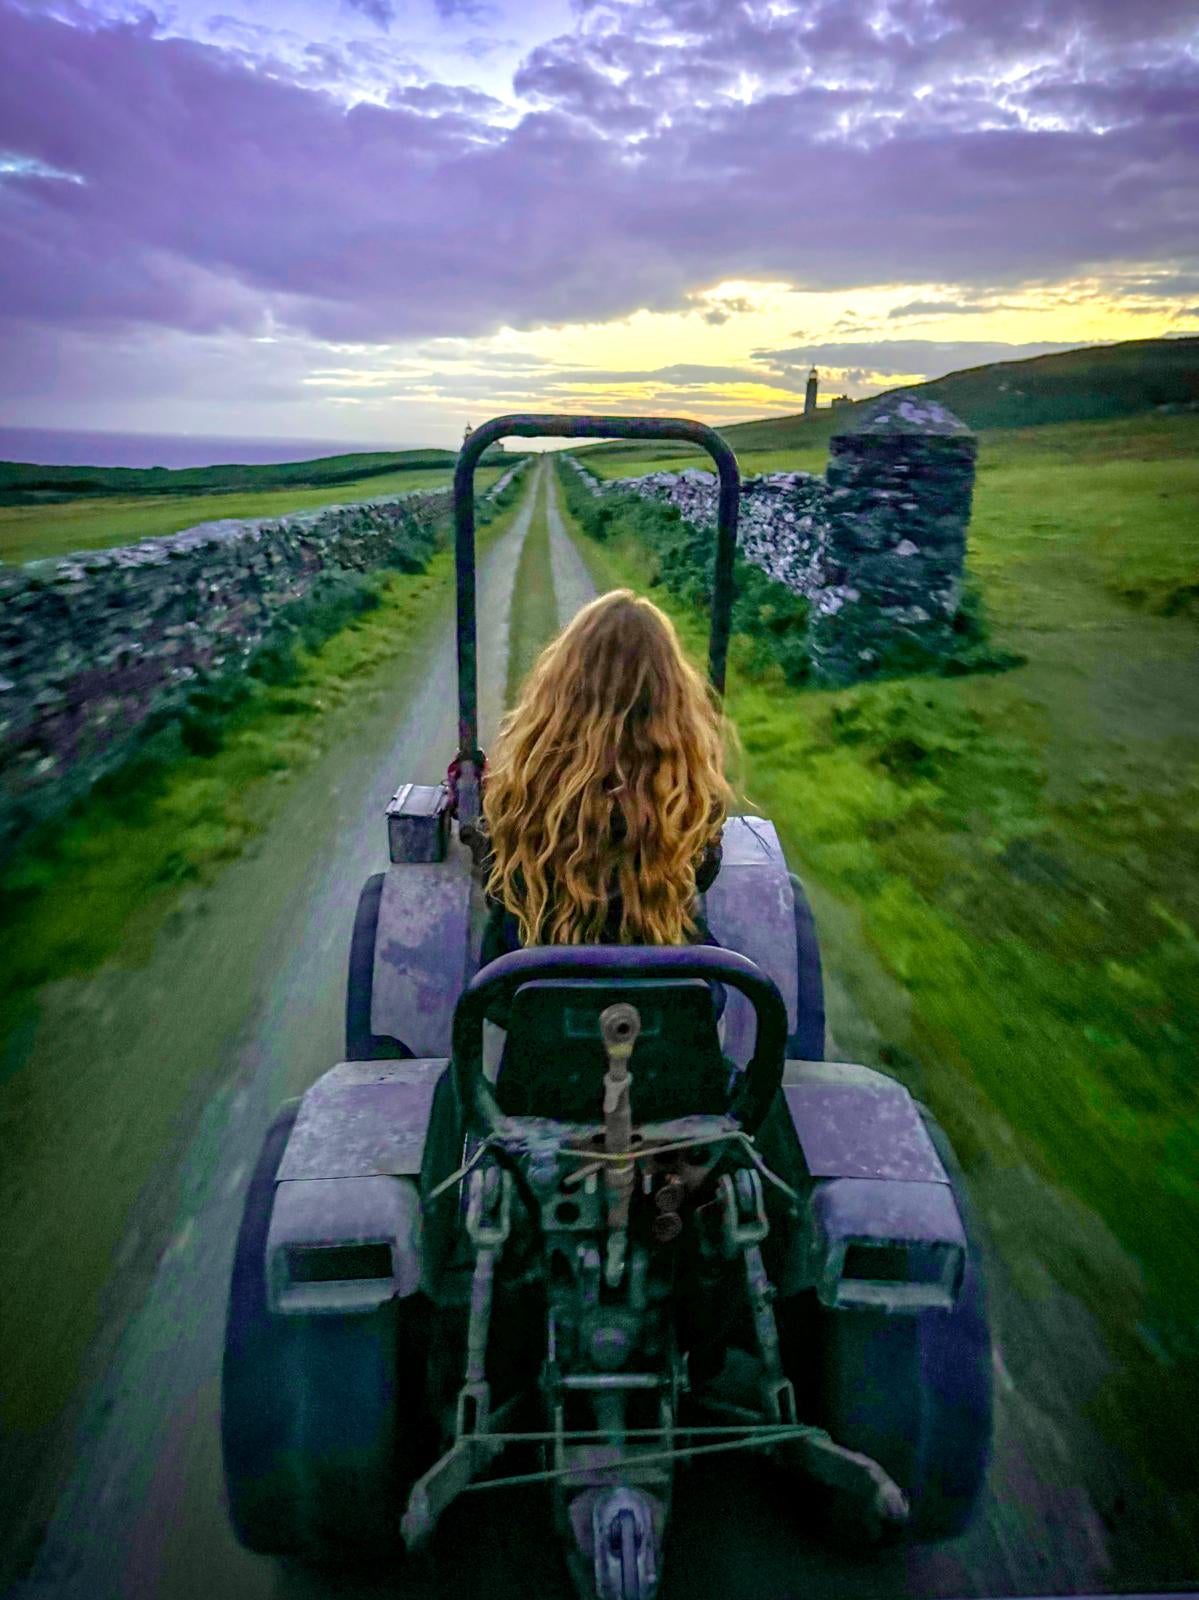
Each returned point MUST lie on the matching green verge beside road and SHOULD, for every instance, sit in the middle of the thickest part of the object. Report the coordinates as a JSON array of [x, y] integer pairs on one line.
[[1006, 867], [99, 883]]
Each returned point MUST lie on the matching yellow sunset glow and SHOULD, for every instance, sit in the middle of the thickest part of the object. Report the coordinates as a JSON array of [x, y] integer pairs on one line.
[[713, 359]]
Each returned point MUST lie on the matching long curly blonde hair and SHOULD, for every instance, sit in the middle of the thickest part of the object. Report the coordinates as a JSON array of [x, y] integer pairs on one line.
[[607, 777]]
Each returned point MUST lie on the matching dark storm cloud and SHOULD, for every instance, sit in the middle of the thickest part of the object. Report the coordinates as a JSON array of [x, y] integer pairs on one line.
[[565, 79], [382, 12], [850, 322], [896, 46], [469, 10], [435, 350], [1185, 283], [927, 308], [947, 308], [155, 365], [1165, 92], [442, 99], [682, 373], [351, 68], [717, 312], [928, 358], [672, 144]]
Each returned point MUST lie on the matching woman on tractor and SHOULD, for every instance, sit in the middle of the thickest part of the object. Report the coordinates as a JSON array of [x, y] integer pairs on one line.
[[604, 798], [605, 793]]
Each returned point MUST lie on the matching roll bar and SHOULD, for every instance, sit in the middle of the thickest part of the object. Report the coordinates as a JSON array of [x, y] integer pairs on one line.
[[552, 425]]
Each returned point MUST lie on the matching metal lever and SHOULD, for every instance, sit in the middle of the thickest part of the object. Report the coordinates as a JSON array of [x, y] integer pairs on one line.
[[619, 1026]]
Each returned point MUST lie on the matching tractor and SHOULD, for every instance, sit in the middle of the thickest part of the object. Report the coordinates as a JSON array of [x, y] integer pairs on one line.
[[617, 1237]]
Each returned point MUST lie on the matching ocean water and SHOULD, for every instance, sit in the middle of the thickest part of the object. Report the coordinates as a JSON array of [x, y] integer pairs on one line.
[[53, 447]]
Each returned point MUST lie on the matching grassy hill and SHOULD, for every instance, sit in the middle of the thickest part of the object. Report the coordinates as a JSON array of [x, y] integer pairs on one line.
[[1100, 383], [1089, 385], [26, 483]]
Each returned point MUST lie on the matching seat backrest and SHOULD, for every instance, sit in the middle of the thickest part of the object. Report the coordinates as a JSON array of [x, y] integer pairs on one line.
[[554, 1060]]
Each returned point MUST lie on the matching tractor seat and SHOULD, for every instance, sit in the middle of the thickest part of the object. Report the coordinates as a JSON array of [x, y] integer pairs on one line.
[[554, 1061]]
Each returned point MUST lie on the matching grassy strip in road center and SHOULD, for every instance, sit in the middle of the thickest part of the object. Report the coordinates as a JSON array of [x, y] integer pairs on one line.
[[534, 615]]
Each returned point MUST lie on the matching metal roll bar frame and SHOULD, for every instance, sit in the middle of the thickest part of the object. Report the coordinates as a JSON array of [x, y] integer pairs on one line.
[[553, 425]]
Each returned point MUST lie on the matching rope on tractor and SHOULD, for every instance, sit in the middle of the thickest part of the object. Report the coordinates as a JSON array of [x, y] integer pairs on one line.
[[765, 1436], [464, 1170], [595, 1159]]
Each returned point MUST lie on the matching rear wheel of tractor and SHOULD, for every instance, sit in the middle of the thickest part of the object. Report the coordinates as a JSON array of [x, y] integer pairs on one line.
[[316, 1460], [254, 1373], [807, 1042], [354, 1441], [361, 1043], [913, 1390]]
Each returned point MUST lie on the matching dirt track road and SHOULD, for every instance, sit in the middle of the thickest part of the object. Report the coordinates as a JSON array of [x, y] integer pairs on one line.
[[247, 996]]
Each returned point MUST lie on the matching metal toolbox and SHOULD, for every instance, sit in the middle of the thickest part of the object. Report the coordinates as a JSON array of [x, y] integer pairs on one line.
[[418, 822]]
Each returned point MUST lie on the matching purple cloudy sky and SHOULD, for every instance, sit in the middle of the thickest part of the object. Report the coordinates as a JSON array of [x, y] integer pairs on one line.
[[375, 219]]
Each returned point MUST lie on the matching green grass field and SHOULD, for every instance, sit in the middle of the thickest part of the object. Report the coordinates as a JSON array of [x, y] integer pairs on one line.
[[1009, 864], [32, 533], [33, 479], [807, 457], [26, 483], [1124, 494]]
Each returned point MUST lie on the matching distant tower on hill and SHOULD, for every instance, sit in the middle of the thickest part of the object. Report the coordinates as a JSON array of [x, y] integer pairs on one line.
[[809, 399]]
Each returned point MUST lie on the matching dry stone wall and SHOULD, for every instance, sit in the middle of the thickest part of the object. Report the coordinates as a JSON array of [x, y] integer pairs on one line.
[[781, 526], [877, 546], [95, 644], [900, 492]]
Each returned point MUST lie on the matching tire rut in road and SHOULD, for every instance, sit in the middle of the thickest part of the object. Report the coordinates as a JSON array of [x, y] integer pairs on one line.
[[573, 587]]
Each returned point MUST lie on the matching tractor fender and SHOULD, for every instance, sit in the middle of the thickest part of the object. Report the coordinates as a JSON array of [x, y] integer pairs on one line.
[[881, 1226], [422, 950], [750, 908], [345, 1232]]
